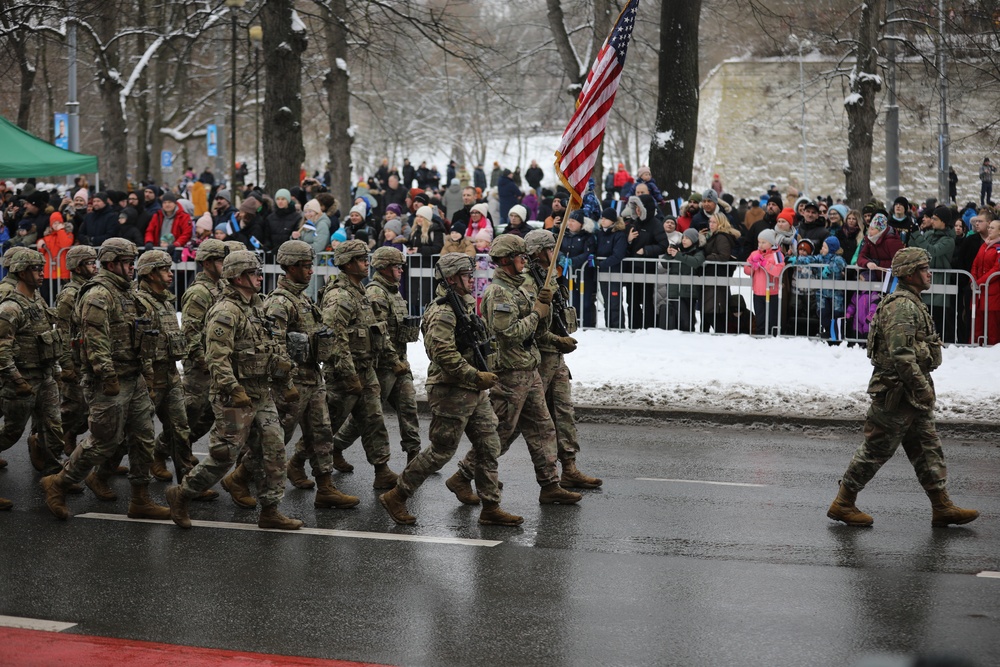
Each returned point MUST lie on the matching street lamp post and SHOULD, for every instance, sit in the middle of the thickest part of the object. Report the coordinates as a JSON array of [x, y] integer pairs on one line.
[[233, 5], [803, 44], [257, 37]]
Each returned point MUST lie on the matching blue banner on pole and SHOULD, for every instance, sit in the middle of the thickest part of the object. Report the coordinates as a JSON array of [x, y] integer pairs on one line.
[[212, 140], [61, 122], [166, 159]]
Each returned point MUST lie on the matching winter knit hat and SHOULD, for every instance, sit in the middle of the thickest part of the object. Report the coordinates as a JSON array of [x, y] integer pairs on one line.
[[224, 194], [167, 196], [394, 226], [769, 236], [221, 227], [283, 194], [710, 195], [394, 208], [691, 235], [204, 223], [944, 214], [458, 228], [520, 212], [339, 235], [482, 209], [879, 222], [841, 209], [312, 205], [788, 215], [776, 199], [82, 192], [360, 209], [483, 234], [832, 244], [425, 212]]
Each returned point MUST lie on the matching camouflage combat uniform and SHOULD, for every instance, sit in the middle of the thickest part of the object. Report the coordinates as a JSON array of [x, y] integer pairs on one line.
[[457, 406], [196, 301], [241, 353], [398, 391], [73, 409], [29, 349], [358, 341], [518, 399]]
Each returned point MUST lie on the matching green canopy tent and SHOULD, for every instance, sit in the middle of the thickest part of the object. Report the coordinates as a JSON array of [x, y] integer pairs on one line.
[[23, 155]]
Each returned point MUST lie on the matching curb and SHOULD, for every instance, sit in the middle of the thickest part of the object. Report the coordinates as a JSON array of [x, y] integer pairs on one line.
[[638, 416]]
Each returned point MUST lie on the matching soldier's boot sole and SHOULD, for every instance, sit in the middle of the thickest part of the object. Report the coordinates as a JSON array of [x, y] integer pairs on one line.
[[237, 489], [384, 478], [296, 472], [98, 484], [178, 507], [492, 515], [462, 489], [55, 496], [36, 452], [553, 494], [207, 495], [158, 468], [272, 519], [340, 463], [5, 504], [395, 504]]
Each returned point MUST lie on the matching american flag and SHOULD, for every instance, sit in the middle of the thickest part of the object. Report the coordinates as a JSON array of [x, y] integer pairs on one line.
[[577, 151]]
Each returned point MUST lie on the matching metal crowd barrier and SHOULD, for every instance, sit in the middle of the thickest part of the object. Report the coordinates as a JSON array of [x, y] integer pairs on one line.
[[716, 298]]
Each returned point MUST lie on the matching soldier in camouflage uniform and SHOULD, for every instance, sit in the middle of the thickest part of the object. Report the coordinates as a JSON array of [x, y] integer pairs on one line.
[[197, 299], [904, 349], [397, 390], [29, 349], [113, 385], [456, 391], [243, 359], [81, 261], [298, 328], [553, 346], [516, 318], [359, 339]]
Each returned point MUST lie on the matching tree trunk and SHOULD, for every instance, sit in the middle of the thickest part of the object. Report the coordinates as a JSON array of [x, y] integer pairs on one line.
[[671, 152], [338, 144], [142, 110], [114, 129], [284, 151], [862, 105], [27, 69]]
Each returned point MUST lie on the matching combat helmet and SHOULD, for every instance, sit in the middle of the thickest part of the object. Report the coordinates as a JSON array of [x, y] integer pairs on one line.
[[115, 249], [79, 254], [234, 246], [239, 262], [539, 239], [453, 263], [210, 249], [385, 257], [151, 260], [507, 245], [349, 250], [24, 259], [293, 252], [908, 261]]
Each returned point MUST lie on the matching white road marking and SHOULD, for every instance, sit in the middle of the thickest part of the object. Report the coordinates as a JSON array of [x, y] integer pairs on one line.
[[989, 575], [322, 532], [34, 624], [697, 481]]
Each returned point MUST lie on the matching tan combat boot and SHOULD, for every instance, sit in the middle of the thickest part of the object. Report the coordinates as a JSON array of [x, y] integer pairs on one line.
[[329, 497], [97, 481], [36, 452], [296, 470], [384, 478], [946, 512], [394, 503], [5, 504], [3, 463], [572, 478], [237, 485], [141, 506], [462, 488], [55, 494], [843, 509], [178, 507], [270, 517], [340, 463], [553, 494], [159, 467], [206, 496], [492, 515]]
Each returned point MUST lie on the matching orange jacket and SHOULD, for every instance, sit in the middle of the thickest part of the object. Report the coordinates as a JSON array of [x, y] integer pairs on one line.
[[52, 245]]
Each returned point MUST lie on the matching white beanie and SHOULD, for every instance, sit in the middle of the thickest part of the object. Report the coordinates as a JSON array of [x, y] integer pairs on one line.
[[360, 209], [425, 212], [519, 211], [483, 209], [313, 205], [82, 192]]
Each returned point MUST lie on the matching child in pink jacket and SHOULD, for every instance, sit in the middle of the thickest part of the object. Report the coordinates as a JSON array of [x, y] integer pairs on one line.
[[765, 265]]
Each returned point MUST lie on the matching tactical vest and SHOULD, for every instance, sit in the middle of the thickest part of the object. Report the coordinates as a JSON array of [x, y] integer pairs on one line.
[[205, 291], [254, 349], [926, 344], [402, 328], [160, 339], [36, 343], [365, 334], [122, 318], [66, 309], [307, 339]]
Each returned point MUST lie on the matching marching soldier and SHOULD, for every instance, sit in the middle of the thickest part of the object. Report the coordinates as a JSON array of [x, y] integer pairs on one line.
[[242, 360], [113, 385], [397, 390], [297, 323], [904, 349], [518, 400], [554, 344], [358, 341], [29, 350], [457, 393]]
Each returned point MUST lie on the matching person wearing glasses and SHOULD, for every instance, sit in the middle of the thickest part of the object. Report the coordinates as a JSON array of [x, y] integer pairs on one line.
[[114, 387]]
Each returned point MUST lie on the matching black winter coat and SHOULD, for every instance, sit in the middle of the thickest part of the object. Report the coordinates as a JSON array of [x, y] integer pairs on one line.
[[279, 226]]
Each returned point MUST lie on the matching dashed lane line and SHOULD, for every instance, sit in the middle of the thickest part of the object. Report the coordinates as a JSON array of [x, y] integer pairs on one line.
[[698, 481], [321, 532], [34, 624], [988, 574]]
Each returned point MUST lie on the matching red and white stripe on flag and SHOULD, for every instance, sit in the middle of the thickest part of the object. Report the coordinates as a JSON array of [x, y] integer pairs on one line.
[[577, 151]]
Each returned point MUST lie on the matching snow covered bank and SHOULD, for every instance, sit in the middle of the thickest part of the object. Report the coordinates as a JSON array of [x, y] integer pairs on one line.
[[779, 376]]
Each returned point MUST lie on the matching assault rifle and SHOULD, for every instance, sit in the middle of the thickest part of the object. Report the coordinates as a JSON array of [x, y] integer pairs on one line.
[[558, 302], [470, 332]]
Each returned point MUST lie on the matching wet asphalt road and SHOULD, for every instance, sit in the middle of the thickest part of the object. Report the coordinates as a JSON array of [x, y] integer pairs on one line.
[[640, 573]]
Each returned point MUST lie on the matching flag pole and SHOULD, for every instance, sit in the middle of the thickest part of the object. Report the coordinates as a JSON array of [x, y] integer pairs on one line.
[[559, 240]]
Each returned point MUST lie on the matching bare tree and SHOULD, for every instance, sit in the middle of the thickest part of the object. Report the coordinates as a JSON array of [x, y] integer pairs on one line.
[[862, 103]]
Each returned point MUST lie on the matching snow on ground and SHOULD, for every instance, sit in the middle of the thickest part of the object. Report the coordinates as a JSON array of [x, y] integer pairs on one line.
[[773, 376]]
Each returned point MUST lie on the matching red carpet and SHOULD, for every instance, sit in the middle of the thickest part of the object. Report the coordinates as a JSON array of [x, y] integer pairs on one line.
[[33, 648]]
